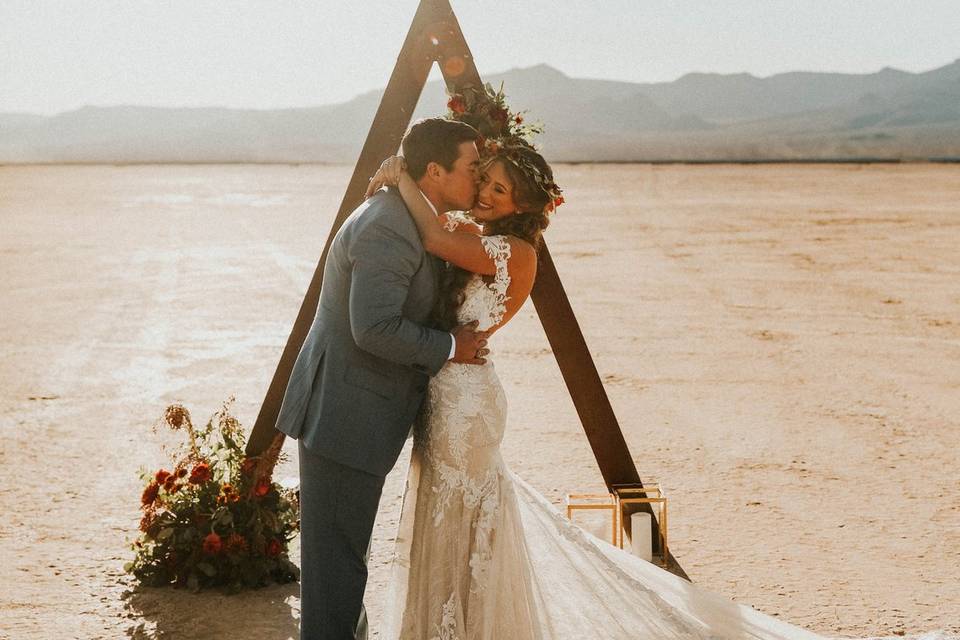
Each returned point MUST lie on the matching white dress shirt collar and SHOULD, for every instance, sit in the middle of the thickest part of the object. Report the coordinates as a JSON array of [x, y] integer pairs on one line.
[[435, 212]]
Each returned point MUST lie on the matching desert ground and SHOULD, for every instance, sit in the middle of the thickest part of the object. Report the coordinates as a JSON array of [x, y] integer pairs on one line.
[[781, 345]]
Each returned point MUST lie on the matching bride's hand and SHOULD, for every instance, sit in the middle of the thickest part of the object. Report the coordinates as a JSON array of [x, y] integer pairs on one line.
[[388, 174]]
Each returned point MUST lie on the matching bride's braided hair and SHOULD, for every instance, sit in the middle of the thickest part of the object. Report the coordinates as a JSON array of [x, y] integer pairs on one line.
[[534, 203]]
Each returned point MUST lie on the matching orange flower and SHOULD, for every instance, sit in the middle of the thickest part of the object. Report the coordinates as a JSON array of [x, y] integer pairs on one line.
[[147, 521], [200, 473], [557, 201], [262, 488], [212, 544], [170, 485], [273, 548], [456, 104], [161, 476], [236, 543], [227, 494], [518, 119], [150, 494]]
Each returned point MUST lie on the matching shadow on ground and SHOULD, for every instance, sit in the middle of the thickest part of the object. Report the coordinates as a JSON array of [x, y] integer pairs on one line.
[[270, 613]]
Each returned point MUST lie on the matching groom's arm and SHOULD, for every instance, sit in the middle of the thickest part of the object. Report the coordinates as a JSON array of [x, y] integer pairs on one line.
[[383, 264]]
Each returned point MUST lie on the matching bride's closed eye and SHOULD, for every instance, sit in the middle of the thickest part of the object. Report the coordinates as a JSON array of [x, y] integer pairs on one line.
[[485, 180]]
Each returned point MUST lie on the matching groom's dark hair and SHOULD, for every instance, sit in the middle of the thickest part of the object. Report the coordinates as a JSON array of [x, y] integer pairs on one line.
[[434, 140]]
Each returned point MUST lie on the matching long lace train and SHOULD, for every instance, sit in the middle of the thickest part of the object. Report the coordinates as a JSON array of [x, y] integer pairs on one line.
[[481, 555]]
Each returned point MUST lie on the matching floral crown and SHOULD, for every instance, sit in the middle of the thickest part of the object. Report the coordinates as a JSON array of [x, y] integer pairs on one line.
[[502, 134]]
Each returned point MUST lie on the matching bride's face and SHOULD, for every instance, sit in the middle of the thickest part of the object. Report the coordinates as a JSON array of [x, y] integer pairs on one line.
[[495, 199]]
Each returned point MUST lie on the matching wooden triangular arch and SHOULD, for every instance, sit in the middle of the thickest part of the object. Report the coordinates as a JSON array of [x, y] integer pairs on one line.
[[435, 36]]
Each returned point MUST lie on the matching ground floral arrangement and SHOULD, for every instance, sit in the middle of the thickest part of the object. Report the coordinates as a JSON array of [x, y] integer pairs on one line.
[[215, 518]]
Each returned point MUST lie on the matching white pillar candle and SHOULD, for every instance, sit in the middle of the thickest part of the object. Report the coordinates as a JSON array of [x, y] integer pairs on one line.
[[641, 539]]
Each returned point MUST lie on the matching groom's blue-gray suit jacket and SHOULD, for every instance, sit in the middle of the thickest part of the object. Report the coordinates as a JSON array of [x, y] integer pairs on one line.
[[363, 369]]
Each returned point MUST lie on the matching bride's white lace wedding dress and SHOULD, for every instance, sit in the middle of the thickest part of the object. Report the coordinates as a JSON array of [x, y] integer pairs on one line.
[[481, 555]]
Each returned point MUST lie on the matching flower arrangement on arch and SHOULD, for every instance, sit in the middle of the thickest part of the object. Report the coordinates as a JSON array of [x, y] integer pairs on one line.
[[215, 518]]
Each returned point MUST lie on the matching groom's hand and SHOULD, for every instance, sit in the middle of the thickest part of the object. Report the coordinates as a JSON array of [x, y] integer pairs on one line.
[[471, 344]]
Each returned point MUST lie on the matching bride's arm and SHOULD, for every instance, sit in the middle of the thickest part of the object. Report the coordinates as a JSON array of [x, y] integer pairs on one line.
[[462, 248]]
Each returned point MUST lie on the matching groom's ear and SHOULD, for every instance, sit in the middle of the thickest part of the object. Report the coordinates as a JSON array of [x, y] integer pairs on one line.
[[433, 171]]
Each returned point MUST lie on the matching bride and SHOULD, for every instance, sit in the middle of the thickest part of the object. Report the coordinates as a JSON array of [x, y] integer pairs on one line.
[[480, 554]]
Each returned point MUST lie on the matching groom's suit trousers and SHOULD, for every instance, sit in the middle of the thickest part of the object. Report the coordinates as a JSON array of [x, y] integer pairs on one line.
[[338, 505], [358, 382]]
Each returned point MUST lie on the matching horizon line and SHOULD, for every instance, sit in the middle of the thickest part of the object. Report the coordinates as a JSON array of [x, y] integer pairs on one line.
[[663, 161], [493, 73]]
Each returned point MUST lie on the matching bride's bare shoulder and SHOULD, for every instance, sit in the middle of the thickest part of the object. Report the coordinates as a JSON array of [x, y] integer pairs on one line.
[[523, 256]]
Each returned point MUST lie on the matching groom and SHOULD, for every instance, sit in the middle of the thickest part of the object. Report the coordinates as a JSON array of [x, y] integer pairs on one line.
[[362, 372]]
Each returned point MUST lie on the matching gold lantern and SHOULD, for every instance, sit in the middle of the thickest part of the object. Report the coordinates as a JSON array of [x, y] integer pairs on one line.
[[595, 501], [649, 492]]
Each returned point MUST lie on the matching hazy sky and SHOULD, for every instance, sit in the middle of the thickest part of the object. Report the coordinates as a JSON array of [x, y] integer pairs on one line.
[[56, 56]]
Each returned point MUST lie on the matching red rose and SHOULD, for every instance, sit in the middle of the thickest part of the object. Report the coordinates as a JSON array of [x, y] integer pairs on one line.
[[200, 473], [273, 548], [212, 544], [161, 476], [150, 494], [557, 201], [456, 104], [262, 488]]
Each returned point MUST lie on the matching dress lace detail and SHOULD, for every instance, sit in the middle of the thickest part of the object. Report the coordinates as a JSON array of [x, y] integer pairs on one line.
[[487, 301], [455, 219], [447, 628]]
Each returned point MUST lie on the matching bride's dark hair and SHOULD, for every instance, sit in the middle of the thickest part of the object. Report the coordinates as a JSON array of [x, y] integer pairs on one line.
[[528, 225]]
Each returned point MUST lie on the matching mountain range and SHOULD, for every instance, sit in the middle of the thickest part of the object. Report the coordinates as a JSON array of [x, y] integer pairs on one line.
[[890, 115]]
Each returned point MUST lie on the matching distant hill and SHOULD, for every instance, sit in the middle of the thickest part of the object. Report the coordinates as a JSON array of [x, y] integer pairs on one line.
[[890, 114]]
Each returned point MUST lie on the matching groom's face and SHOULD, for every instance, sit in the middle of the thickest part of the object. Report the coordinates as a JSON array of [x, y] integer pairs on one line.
[[459, 185]]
